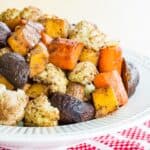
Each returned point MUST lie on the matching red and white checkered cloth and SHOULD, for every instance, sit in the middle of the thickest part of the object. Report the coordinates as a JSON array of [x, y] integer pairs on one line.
[[133, 138]]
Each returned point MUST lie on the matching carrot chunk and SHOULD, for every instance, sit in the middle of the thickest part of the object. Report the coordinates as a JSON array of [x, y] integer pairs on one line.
[[64, 53], [112, 79], [110, 59]]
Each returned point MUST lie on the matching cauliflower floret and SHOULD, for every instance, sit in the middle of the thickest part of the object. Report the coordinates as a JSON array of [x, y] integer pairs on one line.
[[39, 112], [44, 17], [12, 105], [111, 42], [88, 34], [83, 73], [54, 77], [11, 17], [89, 89], [31, 13]]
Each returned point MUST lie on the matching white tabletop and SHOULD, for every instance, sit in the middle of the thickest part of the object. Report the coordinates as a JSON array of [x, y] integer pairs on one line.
[[126, 20]]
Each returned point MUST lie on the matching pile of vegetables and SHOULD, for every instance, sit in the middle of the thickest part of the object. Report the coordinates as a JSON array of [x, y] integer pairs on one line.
[[53, 72]]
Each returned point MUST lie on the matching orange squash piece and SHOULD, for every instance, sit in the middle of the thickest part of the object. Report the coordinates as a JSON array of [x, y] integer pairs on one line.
[[105, 101], [38, 59], [89, 55], [36, 89], [64, 53], [56, 27], [112, 79], [110, 58], [4, 81]]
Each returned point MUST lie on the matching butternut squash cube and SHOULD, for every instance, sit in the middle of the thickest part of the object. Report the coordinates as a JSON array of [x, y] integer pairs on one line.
[[64, 53], [35, 90], [4, 81], [56, 27], [39, 57], [105, 101], [89, 55]]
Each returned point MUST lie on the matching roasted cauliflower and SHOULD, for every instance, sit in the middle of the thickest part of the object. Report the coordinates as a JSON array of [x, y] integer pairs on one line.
[[54, 77], [89, 89], [83, 73], [88, 34], [12, 106], [31, 13], [11, 17], [39, 112]]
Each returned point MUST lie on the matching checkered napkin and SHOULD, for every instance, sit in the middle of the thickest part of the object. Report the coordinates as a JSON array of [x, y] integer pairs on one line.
[[133, 138]]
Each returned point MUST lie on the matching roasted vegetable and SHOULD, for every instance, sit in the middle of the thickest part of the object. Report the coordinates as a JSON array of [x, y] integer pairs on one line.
[[26, 87], [31, 13], [110, 59], [88, 34], [4, 81], [105, 101], [46, 16], [14, 68], [89, 55], [71, 109], [130, 76], [39, 112], [4, 34], [45, 38], [79, 91], [64, 53], [88, 90], [36, 25], [84, 73], [54, 77], [76, 90], [56, 27], [75, 67], [4, 51], [112, 79], [25, 38], [38, 59], [11, 17], [12, 106], [35, 90]]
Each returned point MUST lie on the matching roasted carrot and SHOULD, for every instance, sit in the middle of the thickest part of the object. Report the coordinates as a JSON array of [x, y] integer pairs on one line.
[[112, 79], [64, 53], [110, 59], [46, 39]]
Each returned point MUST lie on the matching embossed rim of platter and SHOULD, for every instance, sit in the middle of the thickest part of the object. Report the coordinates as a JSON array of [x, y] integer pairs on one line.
[[85, 129]]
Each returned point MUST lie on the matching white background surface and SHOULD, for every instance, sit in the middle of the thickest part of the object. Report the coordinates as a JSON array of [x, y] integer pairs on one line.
[[126, 20]]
